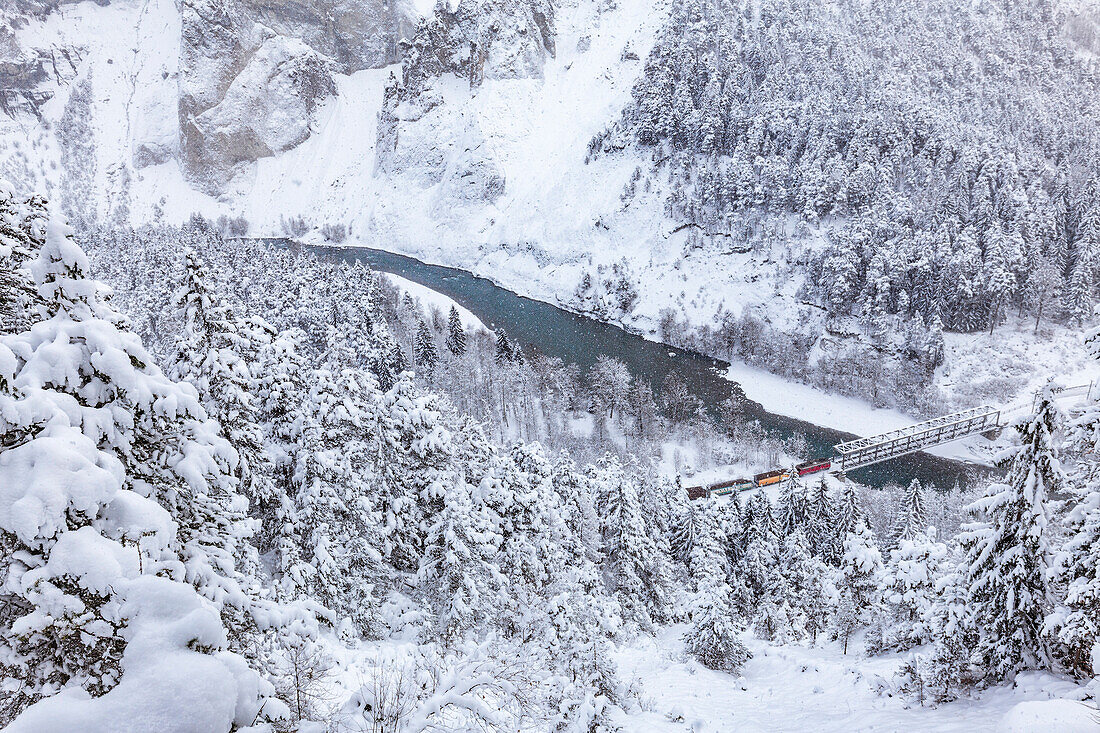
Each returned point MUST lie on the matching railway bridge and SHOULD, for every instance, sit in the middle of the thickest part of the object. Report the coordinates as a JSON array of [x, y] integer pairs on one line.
[[878, 448], [862, 452]]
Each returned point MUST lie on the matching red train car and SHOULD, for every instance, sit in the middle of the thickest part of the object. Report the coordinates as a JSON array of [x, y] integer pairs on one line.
[[818, 464]]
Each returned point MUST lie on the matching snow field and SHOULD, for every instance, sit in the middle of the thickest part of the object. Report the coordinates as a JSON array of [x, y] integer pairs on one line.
[[795, 689]]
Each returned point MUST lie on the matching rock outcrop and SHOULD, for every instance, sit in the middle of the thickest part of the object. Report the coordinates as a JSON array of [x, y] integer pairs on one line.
[[245, 92], [266, 110], [356, 34], [474, 40]]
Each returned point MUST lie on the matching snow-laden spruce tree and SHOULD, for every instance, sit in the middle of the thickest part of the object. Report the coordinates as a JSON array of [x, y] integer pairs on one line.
[[949, 620], [520, 492], [582, 616], [808, 582], [632, 561], [458, 570], [849, 513], [858, 582], [1008, 553], [334, 516], [211, 356], [714, 636], [1075, 623], [683, 530], [909, 591], [912, 516], [456, 334], [120, 527], [22, 233], [415, 452], [820, 523], [791, 508], [427, 355]]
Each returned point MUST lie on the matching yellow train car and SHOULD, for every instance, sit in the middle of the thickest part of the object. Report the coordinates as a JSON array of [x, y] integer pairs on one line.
[[769, 478]]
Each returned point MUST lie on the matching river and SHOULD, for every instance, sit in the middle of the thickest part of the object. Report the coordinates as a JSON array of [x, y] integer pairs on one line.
[[580, 340]]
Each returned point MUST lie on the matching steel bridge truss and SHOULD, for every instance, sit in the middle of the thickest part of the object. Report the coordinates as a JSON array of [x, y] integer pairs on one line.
[[875, 449]]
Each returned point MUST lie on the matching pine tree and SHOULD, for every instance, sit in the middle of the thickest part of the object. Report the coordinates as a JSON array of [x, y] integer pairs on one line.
[[682, 540], [457, 568], [1078, 302], [912, 517], [632, 560], [713, 638], [456, 334], [849, 514], [504, 348], [334, 504], [909, 592], [821, 523], [806, 578], [210, 355], [949, 620], [1075, 623], [426, 354], [791, 509], [858, 582], [1008, 553], [22, 233]]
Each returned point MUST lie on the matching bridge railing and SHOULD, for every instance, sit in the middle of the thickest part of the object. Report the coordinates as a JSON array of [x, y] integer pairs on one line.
[[866, 451]]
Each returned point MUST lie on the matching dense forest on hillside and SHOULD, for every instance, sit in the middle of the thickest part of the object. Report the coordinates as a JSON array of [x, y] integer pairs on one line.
[[289, 502], [947, 153]]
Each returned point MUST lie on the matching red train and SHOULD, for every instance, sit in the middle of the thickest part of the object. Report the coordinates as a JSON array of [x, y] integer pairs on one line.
[[759, 480]]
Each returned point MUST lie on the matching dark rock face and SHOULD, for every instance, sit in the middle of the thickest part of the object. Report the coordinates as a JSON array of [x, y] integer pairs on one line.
[[494, 39]]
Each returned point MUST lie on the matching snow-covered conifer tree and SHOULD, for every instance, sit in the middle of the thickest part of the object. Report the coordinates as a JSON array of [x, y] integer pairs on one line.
[[912, 517], [1075, 623], [713, 638], [858, 582], [820, 524], [632, 561], [456, 334], [908, 588], [791, 508], [334, 505], [426, 353], [22, 233], [682, 540], [458, 571], [1008, 553], [807, 581]]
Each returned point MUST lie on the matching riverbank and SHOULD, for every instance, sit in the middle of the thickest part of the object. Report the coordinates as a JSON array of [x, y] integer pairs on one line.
[[581, 340], [772, 392]]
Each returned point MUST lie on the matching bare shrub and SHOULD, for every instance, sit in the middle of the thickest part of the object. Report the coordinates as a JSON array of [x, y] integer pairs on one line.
[[295, 226], [335, 233]]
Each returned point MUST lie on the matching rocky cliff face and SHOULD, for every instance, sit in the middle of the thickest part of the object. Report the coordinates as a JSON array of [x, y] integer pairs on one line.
[[474, 41], [355, 34], [245, 92], [232, 82]]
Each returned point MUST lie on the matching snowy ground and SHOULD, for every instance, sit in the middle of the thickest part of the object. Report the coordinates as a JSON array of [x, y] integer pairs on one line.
[[433, 299], [802, 689]]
